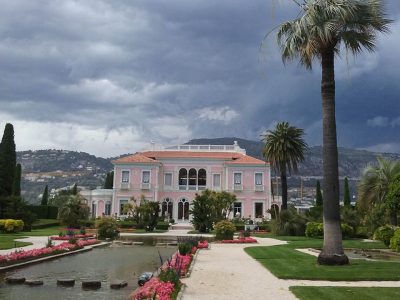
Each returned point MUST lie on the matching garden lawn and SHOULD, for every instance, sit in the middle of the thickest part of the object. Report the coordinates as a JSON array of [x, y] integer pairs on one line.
[[287, 263], [7, 242], [345, 293]]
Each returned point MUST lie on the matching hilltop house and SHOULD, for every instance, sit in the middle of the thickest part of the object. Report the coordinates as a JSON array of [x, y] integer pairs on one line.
[[174, 175]]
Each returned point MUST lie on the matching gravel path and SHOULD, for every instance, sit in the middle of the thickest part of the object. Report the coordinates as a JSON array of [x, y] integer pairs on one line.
[[37, 242], [227, 272]]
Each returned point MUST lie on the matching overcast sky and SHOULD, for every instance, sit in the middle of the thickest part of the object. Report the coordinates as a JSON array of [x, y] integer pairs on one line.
[[107, 77]]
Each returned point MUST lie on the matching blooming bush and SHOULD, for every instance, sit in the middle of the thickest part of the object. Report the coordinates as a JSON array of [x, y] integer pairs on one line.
[[224, 230], [246, 240], [202, 245], [11, 225], [154, 289], [36, 253]]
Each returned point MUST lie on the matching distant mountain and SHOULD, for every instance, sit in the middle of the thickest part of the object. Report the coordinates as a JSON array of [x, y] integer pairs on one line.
[[60, 168], [351, 161]]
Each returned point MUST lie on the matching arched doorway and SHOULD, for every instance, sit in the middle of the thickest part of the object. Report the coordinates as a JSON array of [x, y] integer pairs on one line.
[[167, 208], [183, 210]]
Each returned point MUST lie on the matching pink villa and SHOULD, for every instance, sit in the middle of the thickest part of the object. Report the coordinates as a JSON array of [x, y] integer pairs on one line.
[[172, 176]]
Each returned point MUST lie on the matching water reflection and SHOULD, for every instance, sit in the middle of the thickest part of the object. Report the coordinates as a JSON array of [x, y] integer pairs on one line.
[[105, 264]]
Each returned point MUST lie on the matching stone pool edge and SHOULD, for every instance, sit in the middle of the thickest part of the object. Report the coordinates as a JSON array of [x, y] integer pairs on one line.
[[84, 249]]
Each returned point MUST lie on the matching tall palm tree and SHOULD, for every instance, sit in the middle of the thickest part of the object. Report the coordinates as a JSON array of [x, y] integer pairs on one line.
[[284, 147], [320, 31], [374, 185]]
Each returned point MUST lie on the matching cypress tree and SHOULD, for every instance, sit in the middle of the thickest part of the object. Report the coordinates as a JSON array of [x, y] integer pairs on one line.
[[8, 160], [74, 189], [16, 190], [45, 196], [318, 198], [109, 182], [346, 199]]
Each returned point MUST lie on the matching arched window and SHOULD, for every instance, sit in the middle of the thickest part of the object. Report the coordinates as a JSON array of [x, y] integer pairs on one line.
[[202, 181], [167, 208], [183, 179], [192, 179], [183, 209]]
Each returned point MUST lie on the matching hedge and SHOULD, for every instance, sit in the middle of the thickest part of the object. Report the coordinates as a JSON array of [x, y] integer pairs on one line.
[[43, 224], [44, 211], [162, 226]]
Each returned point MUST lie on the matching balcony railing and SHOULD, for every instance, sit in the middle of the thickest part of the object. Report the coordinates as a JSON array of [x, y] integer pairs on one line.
[[259, 188], [238, 187], [145, 186], [125, 186]]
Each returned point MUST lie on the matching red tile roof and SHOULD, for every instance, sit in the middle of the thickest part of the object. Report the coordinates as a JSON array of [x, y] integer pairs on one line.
[[154, 156]]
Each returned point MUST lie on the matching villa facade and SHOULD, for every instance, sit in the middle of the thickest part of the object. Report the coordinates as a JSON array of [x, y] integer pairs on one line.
[[174, 175]]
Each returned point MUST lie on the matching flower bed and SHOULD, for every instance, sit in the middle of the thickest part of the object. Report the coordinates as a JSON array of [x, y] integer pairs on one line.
[[68, 237], [246, 240], [20, 256], [202, 245], [156, 288]]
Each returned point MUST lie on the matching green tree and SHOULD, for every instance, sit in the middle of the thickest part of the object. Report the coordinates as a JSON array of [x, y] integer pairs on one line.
[[8, 159], [16, 190], [318, 197], [74, 210], [393, 200], [375, 181], [346, 197], [319, 32], [45, 196], [74, 190], [284, 148], [210, 207], [109, 181]]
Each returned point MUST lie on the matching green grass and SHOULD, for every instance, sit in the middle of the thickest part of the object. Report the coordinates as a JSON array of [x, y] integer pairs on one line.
[[7, 242], [345, 293], [287, 263]]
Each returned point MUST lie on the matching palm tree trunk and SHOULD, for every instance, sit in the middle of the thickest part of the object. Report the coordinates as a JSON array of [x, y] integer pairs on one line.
[[332, 252], [284, 188]]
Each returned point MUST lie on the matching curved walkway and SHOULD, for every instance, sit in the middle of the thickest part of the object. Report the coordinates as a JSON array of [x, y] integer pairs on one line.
[[227, 272], [37, 243]]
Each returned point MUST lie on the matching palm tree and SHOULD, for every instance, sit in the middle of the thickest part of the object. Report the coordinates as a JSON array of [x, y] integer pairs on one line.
[[284, 148], [322, 27], [375, 182]]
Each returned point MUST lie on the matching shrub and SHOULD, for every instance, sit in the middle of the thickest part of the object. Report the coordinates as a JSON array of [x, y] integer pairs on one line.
[[126, 224], [107, 228], [289, 222], [395, 240], [239, 227], [11, 225], [184, 248], [362, 232], [314, 229], [87, 223], [224, 230], [384, 234], [162, 226], [44, 211], [347, 230], [169, 275]]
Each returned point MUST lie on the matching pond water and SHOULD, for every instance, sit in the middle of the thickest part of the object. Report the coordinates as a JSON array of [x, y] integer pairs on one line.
[[372, 254], [105, 264]]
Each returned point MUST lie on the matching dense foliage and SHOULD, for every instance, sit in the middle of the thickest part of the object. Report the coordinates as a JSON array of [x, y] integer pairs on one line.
[[224, 230], [107, 228], [11, 225], [384, 234], [210, 207], [73, 211]]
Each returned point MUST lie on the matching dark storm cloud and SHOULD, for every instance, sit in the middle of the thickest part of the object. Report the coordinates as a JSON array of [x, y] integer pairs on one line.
[[109, 76]]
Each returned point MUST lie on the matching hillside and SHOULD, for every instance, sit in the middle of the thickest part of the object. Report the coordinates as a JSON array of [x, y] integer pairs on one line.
[[351, 161], [60, 168]]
